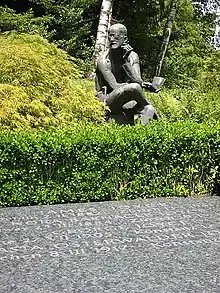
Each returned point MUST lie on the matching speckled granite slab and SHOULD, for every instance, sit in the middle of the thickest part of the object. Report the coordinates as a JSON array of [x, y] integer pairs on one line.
[[169, 245]]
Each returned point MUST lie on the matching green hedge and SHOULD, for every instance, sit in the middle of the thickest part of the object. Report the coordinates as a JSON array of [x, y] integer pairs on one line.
[[90, 163]]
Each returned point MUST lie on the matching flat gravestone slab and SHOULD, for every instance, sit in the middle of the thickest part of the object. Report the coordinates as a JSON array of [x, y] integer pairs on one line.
[[167, 245]]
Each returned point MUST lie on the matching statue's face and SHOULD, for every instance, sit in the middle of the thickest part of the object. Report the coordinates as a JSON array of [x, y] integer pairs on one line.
[[116, 38]]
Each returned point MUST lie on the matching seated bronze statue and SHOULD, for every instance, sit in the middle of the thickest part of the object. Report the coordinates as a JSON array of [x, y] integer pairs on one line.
[[118, 81]]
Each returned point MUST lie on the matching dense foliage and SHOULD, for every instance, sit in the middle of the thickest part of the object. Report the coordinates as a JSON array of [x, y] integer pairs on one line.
[[189, 47], [90, 163], [181, 104], [69, 24], [72, 25], [40, 87], [26, 23]]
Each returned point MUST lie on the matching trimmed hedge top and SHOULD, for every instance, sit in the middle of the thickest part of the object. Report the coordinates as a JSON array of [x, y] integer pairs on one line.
[[90, 163]]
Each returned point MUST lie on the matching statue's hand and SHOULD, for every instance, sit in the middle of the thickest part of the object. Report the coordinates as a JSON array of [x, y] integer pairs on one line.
[[119, 85], [148, 86], [126, 50]]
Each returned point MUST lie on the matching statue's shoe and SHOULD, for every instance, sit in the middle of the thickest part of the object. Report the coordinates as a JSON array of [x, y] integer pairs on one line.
[[147, 114]]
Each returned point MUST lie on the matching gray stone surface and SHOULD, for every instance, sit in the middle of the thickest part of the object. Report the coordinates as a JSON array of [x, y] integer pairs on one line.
[[152, 246]]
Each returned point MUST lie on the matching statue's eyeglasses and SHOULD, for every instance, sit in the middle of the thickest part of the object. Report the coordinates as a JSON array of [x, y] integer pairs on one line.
[[116, 37]]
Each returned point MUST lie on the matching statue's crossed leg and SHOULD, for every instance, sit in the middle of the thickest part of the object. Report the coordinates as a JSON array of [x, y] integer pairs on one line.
[[127, 101]]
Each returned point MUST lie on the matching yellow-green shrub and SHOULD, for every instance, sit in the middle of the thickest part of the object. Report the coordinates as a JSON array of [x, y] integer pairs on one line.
[[181, 104], [40, 86]]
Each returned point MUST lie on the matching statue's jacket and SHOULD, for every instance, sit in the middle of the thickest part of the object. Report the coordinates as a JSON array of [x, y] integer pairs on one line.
[[110, 75]]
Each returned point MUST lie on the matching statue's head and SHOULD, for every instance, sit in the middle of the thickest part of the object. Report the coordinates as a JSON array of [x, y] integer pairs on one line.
[[117, 35]]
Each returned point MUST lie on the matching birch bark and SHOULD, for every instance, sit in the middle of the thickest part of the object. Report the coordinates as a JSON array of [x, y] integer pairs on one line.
[[166, 36], [103, 27]]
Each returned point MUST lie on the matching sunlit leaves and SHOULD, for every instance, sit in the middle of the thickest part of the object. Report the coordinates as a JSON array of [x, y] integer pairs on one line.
[[40, 87], [91, 163]]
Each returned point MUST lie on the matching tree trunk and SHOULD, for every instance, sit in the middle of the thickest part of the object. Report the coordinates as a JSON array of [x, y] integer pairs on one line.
[[166, 36], [102, 32]]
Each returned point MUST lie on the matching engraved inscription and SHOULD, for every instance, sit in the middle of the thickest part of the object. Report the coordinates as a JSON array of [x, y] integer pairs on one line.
[[83, 230]]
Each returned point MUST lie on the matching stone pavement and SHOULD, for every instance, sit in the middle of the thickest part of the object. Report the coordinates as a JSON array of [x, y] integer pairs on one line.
[[169, 245]]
